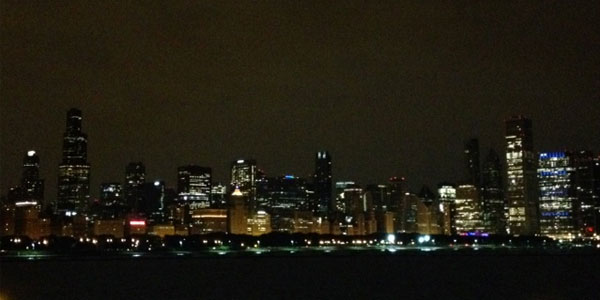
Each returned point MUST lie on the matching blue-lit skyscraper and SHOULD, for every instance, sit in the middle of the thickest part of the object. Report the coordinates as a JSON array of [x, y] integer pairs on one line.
[[557, 194]]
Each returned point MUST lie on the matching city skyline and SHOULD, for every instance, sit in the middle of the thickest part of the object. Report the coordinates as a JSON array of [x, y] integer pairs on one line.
[[387, 89], [463, 175]]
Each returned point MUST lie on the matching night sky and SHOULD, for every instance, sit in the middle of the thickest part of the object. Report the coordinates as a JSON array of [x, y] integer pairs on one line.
[[388, 88]]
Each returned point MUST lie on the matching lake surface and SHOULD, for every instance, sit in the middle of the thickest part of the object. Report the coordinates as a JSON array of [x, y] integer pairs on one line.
[[355, 276]]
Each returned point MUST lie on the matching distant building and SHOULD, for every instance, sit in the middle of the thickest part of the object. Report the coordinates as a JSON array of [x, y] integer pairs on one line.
[[32, 187], [494, 202], [259, 223], [135, 177], [243, 177], [428, 212], [74, 170], [322, 183], [472, 161], [218, 196], [237, 213], [467, 213], [521, 166], [112, 203], [447, 199], [194, 186], [587, 183], [207, 220], [154, 205], [557, 194]]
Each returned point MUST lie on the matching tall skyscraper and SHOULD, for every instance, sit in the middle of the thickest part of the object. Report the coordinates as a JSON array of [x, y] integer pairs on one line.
[[194, 186], [557, 194], [243, 177], [494, 203], [74, 170], [322, 183], [467, 209], [586, 181], [135, 177], [32, 187], [472, 161], [521, 166]]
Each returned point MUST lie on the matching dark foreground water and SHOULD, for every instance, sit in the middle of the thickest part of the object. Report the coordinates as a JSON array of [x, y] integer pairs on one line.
[[365, 276]]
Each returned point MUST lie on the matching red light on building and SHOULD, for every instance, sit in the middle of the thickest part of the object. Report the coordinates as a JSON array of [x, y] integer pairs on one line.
[[137, 223], [590, 229]]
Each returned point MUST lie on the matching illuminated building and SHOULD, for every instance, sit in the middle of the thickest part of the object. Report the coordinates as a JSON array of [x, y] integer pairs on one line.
[[135, 226], [521, 166], [74, 170], [467, 210], [114, 227], [447, 197], [557, 194], [428, 213], [472, 160], [259, 223], [587, 171], [340, 202], [135, 177], [207, 220], [161, 230], [111, 204], [237, 213], [194, 186], [32, 187], [243, 177], [494, 203], [218, 196], [322, 183]]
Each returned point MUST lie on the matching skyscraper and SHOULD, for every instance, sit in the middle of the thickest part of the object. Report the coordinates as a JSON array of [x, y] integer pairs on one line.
[[322, 183], [135, 177], [586, 174], [494, 203], [467, 209], [32, 187], [521, 165], [447, 194], [194, 186], [557, 194], [243, 177], [74, 171], [472, 161]]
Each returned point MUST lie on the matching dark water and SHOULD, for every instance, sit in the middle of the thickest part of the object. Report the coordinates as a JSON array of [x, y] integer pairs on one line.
[[389, 276]]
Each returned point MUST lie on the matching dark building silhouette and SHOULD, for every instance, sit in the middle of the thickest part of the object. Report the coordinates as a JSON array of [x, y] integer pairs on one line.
[[472, 162], [494, 202], [587, 198], [74, 170], [323, 184], [32, 187], [135, 177], [521, 186]]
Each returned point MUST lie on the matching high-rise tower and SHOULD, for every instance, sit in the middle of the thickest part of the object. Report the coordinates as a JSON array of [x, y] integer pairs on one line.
[[494, 203], [194, 184], [472, 161], [135, 177], [521, 166], [322, 183], [74, 170], [32, 187], [243, 177]]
